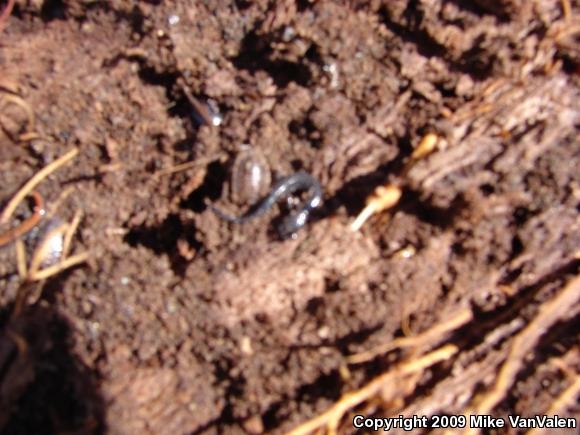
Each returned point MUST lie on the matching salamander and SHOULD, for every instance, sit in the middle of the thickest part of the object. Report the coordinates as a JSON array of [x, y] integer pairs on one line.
[[291, 224]]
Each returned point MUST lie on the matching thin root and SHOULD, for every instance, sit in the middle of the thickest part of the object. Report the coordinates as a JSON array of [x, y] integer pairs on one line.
[[30, 136], [22, 295], [28, 224], [21, 258], [350, 400], [564, 401], [19, 342], [18, 101], [185, 166], [55, 206], [363, 216], [33, 182], [523, 344], [59, 267], [433, 335], [68, 235], [566, 9], [6, 13], [406, 322], [67, 231]]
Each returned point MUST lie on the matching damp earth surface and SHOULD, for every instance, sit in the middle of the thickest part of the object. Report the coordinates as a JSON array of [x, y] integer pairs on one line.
[[179, 322]]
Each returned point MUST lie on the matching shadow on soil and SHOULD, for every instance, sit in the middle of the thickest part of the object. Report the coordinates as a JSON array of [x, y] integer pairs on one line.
[[44, 388]]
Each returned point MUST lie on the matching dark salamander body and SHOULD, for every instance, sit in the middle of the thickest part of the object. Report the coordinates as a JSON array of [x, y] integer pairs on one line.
[[282, 189]]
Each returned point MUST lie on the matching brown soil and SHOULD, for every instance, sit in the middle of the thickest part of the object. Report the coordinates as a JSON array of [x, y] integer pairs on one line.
[[181, 323]]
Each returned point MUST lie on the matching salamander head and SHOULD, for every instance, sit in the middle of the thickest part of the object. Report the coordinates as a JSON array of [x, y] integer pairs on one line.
[[291, 224]]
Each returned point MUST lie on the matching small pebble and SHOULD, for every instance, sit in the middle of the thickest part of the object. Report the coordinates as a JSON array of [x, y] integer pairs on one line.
[[250, 176]]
